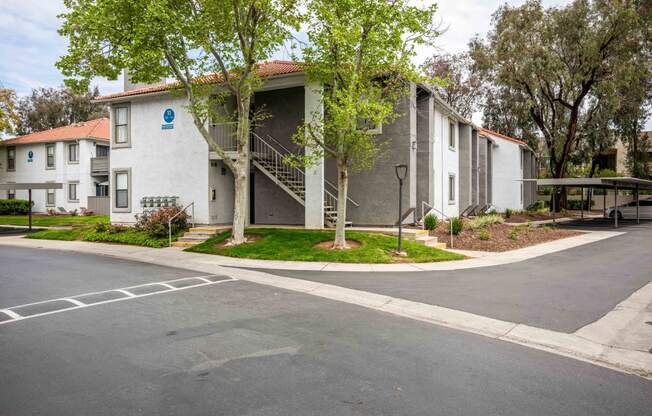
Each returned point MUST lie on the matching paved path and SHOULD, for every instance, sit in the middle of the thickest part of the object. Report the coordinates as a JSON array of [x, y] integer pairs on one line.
[[241, 348]]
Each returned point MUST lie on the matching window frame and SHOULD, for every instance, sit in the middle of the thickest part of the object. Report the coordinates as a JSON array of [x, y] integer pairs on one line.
[[452, 136], [47, 156], [11, 149], [70, 147], [76, 185], [97, 151], [114, 111], [53, 192], [451, 190], [114, 190]]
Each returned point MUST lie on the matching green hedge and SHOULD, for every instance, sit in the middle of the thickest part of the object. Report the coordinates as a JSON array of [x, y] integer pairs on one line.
[[14, 206]]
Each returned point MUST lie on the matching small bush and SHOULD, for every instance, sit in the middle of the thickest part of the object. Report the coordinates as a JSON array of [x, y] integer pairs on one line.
[[430, 222], [87, 212], [493, 212], [73, 213], [577, 204], [513, 234], [52, 212], [485, 220], [484, 235], [155, 223], [457, 225], [14, 206], [101, 227], [116, 229], [508, 213]]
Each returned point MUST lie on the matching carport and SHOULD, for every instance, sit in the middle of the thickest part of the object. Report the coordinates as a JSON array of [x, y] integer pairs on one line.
[[616, 183], [29, 187]]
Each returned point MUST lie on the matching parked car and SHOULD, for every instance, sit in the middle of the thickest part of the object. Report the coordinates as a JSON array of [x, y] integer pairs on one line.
[[628, 211]]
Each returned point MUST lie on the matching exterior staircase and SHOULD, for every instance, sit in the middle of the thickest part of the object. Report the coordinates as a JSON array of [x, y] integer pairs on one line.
[[271, 161], [420, 237], [196, 235]]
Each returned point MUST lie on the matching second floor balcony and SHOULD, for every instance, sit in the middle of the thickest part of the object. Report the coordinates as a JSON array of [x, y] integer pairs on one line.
[[100, 166]]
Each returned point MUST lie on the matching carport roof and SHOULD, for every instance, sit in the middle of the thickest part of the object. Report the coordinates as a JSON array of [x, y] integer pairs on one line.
[[621, 182], [23, 186]]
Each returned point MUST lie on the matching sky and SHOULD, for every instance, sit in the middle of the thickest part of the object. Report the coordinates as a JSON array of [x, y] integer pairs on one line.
[[31, 44]]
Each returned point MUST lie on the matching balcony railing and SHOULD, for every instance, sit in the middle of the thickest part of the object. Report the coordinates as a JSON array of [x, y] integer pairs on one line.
[[225, 136], [100, 165]]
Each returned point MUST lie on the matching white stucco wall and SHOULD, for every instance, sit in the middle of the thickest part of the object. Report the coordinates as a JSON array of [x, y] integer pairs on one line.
[[172, 162], [446, 161], [64, 172], [507, 175]]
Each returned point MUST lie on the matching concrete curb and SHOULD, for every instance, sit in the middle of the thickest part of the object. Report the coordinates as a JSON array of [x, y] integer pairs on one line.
[[596, 350]]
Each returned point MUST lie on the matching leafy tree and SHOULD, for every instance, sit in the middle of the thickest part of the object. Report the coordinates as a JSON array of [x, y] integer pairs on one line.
[[360, 51], [8, 116], [504, 110], [198, 42], [460, 87], [554, 60], [47, 108]]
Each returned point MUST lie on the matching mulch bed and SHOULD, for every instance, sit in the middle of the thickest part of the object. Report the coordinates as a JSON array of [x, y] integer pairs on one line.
[[500, 237], [535, 216]]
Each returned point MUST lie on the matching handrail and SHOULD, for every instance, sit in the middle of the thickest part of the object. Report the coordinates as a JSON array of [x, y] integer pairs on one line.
[[176, 215], [260, 146], [326, 181], [423, 213]]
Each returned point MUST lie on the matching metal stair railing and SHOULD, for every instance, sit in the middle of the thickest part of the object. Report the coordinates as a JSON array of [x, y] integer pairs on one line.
[[192, 204], [269, 157], [424, 213]]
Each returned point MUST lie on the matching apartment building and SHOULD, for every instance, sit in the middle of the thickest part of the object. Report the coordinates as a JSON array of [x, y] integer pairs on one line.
[[76, 155]]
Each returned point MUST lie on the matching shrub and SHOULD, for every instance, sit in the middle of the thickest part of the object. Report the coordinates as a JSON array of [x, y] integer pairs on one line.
[[485, 220], [87, 212], [73, 213], [155, 223], [577, 204], [456, 225], [508, 213], [513, 234], [52, 212], [484, 235], [14, 206], [116, 229], [101, 227], [430, 222]]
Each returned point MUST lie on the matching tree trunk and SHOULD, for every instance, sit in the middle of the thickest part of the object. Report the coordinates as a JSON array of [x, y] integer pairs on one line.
[[342, 189], [241, 174]]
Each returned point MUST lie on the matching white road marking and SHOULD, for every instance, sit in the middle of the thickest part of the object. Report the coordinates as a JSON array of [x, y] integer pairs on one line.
[[11, 314], [74, 301], [125, 292], [79, 305]]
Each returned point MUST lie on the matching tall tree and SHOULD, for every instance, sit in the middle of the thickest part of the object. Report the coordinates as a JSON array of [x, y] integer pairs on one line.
[[555, 59], [47, 108], [360, 51], [460, 87], [192, 41], [8, 115]]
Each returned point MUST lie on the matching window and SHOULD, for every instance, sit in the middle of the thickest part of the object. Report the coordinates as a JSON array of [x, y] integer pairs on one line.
[[521, 191], [72, 192], [11, 194], [102, 151], [50, 198], [122, 190], [101, 190], [50, 161], [451, 188], [73, 153], [451, 135], [11, 158], [121, 126], [521, 158]]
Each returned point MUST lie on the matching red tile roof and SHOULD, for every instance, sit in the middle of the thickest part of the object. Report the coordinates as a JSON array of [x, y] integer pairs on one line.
[[501, 136], [265, 69], [93, 129]]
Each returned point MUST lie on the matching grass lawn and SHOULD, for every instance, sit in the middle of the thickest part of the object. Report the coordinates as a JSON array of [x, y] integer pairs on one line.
[[298, 245], [52, 220], [88, 233]]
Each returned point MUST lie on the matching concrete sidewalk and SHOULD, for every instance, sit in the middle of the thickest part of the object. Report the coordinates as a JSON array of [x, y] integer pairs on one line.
[[602, 343]]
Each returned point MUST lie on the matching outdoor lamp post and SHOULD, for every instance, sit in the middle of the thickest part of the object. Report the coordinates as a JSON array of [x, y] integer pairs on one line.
[[401, 172]]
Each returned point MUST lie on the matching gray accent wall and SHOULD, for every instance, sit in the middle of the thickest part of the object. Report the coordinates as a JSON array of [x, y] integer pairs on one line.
[[490, 170], [220, 179], [465, 166], [424, 151], [284, 109], [482, 170], [474, 171]]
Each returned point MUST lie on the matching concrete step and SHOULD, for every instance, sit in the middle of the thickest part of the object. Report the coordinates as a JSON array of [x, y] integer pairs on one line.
[[182, 244], [208, 228], [426, 240], [194, 237]]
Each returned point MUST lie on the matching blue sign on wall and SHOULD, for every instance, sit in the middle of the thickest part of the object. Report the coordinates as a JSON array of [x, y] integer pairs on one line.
[[30, 156], [168, 117]]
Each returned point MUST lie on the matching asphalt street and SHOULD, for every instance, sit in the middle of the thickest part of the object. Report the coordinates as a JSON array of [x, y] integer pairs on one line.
[[561, 291], [238, 348]]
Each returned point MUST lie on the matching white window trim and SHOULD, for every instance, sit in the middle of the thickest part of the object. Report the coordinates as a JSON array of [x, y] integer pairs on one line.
[[72, 162], [54, 156], [126, 144], [76, 191], [54, 193], [453, 124], [112, 190], [452, 201]]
